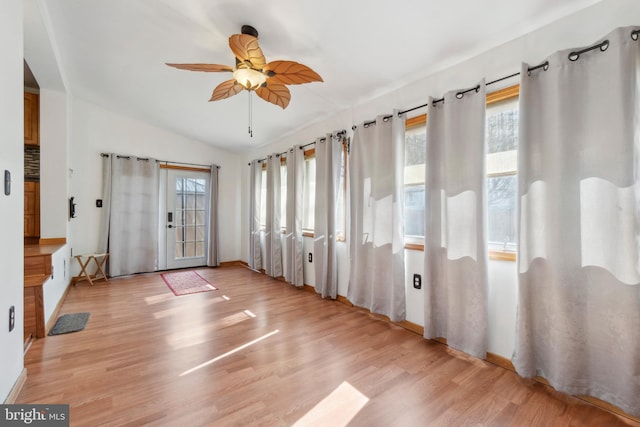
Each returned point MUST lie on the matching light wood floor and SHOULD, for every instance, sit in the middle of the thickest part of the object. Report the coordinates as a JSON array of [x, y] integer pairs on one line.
[[149, 357]]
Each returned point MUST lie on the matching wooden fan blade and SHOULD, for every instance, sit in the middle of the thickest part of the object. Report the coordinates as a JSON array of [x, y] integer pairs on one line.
[[247, 50], [210, 68], [226, 90], [275, 93], [290, 73]]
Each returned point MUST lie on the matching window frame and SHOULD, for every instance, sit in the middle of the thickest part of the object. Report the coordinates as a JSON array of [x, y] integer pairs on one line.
[[263, 200], [283, 165], [309, 154], [504, 94], [340, 236]]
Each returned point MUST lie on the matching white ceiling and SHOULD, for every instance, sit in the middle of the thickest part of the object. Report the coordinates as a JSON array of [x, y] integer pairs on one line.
[[112, 53]]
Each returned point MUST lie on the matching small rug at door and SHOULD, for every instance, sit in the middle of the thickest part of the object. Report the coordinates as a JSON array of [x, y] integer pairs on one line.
[[69, 323], [186, 282]]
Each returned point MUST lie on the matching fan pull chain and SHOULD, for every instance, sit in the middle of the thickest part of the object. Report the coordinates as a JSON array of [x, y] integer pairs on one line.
[[250, 115]]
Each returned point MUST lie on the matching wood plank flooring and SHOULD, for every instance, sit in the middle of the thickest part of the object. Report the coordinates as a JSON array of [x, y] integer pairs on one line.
[[260, 352]]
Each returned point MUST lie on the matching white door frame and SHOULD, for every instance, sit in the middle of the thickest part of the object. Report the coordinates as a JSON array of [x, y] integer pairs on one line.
[[166, 229]]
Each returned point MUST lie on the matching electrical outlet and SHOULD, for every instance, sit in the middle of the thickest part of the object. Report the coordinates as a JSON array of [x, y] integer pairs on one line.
[[310, 257], [98, 203], [12, 318], [417, 281]]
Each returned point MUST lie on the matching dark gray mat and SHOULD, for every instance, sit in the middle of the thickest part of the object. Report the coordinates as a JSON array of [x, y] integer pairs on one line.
[[69, 323]]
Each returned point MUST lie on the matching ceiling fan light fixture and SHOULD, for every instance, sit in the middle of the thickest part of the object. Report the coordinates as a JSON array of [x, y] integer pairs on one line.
[[249, 78], [253, 73]]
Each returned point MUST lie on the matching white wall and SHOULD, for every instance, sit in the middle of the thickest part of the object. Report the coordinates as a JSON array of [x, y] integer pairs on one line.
[[95, 130], [54, 288], [53, 193], [580, 29], [53, 164], [12, 206]]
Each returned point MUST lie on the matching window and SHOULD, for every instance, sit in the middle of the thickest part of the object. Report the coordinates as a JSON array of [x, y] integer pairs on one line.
[[283, 194], [414, 164], [502, 143], [263, 197], [341, 202], [309, 195], [190, 221], [309, 189]]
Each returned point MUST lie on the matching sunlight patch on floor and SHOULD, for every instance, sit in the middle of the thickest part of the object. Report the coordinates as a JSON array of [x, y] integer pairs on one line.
[[199, 333], [232, 319], [229, 353], [178, 308], [155, 299], [335, 410]]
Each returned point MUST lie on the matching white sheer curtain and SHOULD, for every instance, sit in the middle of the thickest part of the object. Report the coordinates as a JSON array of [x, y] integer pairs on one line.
[[295, 185], [455, 248], [105, 213], [255, 189], [273, 235], [213, 250], [376, 243], [328, 151], [578, 322], [131, 218]]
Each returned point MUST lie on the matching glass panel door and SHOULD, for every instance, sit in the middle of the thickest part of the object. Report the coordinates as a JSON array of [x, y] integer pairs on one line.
[[186, 218]]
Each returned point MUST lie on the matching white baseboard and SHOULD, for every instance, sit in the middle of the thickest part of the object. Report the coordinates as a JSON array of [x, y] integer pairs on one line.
[[17, 387]]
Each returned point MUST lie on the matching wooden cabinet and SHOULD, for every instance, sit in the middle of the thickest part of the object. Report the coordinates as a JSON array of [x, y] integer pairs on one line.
[[31, 118], [37, 270], [31, 209]]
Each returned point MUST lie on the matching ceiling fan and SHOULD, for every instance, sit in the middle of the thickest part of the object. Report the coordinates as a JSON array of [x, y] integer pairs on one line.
[[253, 73]]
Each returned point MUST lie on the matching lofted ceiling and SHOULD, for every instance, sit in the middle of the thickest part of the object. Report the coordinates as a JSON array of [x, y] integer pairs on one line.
[[112, 53]]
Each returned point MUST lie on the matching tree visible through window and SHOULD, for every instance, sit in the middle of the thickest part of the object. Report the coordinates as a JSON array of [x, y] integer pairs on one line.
[[309, 195], [263, 198], [283, 195], [502, 142], [414, 169], [190, 222]]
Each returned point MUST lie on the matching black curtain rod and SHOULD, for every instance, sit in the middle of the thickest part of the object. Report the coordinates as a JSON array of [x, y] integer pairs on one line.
[[341, 133], [262, 160], [161, 161], [460, 94], [188, 164], [573, 56], [302, 147]]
